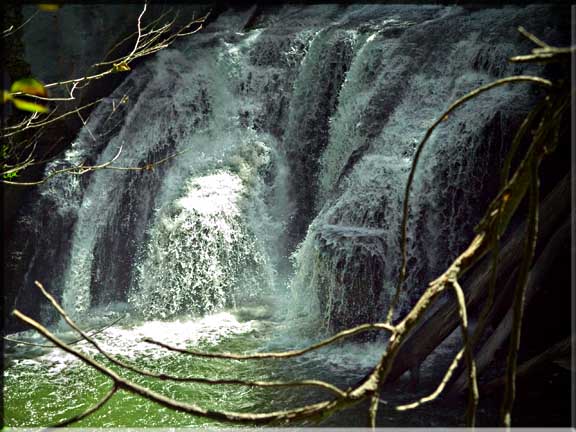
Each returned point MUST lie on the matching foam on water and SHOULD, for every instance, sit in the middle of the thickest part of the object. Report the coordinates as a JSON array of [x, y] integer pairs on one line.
[[126, 340]]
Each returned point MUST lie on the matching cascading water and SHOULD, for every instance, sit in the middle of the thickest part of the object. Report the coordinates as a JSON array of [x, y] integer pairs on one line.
[[400, 79], [188, 235], [271, 162], [311, 118]]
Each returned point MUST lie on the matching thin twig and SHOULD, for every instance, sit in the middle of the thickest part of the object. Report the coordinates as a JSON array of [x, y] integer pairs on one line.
[[139, 26], [91, 409], [533, 38], [432, 396], [527, 123], [31, 125], [83, 169], [519, 297], [11, 30], [472, 383], [276, 355], [544, 53], [76, 170], [546, 56], [91, 334], [111, 50]]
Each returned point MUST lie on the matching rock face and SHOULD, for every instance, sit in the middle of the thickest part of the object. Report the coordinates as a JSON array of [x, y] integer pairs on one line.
[[346, 266]]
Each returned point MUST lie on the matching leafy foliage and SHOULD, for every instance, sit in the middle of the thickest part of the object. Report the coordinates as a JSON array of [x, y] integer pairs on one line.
[[48, 7], [24, 87]]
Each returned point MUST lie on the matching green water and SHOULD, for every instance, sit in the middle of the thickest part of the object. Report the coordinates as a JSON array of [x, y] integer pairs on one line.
[[41, 390], [35, 396]]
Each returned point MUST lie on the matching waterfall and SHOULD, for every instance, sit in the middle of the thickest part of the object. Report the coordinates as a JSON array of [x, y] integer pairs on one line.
[[401, 78], [291, 139]]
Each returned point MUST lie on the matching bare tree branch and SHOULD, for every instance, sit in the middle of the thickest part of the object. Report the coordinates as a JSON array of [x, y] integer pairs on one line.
[[76, 170], [519, 296], [276, 355], [91, 334], [418, 153], [139, 25], [472, 384], [438, 389], [149, 39], [544, 53], [11, 30], [30, 124], [91, 409]]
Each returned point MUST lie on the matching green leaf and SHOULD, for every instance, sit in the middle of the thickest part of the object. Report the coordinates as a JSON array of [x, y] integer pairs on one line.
[[29, 86], [121, 67], [6, 96], [4, 152], [48, 7], [10, 175], [28, 106]]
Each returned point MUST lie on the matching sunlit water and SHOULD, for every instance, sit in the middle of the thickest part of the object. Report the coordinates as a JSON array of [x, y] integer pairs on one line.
[[44, 386]]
